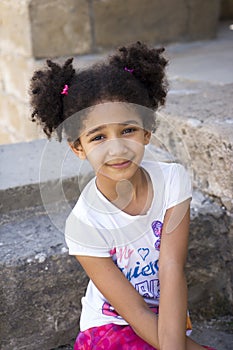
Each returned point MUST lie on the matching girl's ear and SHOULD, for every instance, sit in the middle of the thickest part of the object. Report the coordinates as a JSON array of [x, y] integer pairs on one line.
[[78, 149], [147, 136]]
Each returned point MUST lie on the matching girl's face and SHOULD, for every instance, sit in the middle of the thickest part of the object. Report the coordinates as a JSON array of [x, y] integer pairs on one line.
[[113, 140]]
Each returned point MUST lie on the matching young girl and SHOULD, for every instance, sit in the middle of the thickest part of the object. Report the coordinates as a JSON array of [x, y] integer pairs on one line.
[[129, 228]]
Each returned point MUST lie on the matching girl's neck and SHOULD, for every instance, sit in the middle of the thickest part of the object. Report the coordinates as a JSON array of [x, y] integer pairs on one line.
[[132, 196]]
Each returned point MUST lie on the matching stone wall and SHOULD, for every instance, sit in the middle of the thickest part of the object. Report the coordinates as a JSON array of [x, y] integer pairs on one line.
[[32, 30], [226, 9]]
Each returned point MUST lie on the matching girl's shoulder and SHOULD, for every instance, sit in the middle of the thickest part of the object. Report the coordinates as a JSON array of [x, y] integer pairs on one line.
[[167, 169], [170, 180]]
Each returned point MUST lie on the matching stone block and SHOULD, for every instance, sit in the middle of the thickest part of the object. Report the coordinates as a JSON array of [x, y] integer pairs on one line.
[[15, 34], [17, 71], [197, 128], [15, 120], [5, 135], [202, 19], [118, 22], [226, 9], [209, 266], [60, 27]]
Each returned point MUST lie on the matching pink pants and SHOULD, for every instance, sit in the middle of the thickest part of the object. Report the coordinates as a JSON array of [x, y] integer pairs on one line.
[[112, 337]]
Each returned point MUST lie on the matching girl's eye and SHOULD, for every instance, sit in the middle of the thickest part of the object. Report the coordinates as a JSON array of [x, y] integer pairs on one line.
[[97, 138], [129, 130]]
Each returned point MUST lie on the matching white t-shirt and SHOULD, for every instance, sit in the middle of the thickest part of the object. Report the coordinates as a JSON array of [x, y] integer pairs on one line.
[[96, 227]]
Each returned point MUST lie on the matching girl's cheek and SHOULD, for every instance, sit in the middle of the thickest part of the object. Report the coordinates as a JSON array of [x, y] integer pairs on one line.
[[96, 158]]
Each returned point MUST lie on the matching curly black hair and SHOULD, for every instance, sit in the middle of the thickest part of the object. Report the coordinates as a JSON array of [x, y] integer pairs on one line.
[[134, 74]]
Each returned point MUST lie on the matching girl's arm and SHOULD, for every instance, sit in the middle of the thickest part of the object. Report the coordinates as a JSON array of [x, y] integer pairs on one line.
[[173, 287], [112, 283]]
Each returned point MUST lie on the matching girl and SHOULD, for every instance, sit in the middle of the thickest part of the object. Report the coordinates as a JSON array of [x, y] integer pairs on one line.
[[129, 228]]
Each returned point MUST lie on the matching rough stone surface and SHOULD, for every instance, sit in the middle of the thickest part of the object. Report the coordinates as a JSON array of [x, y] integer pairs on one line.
[[15, 121], [60, 27], [210, 261], [202, 18], [41, 285], [15, 27], [152, 21], [216, 332], [116, 19], [226, 9], [197, 127], [17, 71]]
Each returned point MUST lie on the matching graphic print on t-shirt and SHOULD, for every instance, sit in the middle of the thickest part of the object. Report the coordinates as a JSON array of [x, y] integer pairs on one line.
[[157, 230], [140, 273]]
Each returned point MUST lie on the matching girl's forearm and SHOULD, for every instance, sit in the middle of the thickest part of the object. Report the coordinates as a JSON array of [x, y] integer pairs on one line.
[[172, 310], [146, 327]]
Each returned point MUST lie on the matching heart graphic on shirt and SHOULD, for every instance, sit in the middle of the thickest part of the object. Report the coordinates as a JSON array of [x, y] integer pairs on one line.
[[143, 252]]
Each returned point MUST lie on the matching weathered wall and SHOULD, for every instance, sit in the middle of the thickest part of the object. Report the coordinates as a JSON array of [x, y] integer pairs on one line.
[[35, 29], [226, 11]]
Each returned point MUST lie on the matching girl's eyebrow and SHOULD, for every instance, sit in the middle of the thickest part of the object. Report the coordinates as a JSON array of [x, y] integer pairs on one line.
[[101, 127], [93, 131]]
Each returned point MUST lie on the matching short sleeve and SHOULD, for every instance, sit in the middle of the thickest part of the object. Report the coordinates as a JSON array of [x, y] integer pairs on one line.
[[84, 238], [179, 186]]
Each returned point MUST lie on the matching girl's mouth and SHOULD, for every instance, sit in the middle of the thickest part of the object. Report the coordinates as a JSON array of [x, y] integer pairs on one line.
[[120, 165]]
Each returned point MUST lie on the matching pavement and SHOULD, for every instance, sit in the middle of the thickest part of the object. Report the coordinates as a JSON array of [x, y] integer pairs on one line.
[[204, 61]]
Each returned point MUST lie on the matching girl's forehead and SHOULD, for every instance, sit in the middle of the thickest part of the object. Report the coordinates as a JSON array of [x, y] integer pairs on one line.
[[111, 113]]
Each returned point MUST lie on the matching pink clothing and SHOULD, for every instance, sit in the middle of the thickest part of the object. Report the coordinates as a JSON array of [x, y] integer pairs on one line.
[[112, 337]]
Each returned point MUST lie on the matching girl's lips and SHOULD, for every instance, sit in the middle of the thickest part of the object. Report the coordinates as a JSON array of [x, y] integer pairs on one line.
[[120, 165]]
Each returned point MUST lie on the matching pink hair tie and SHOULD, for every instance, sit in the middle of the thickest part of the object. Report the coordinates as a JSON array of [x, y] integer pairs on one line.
[[65, 90], [129, 70]]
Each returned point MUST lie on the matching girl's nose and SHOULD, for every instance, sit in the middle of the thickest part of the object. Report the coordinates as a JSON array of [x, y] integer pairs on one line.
[[116, 147]]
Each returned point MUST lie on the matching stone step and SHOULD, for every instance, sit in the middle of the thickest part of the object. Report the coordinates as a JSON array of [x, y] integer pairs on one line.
[[41, 285], [196, 128], [42, 171], [31, 168]]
